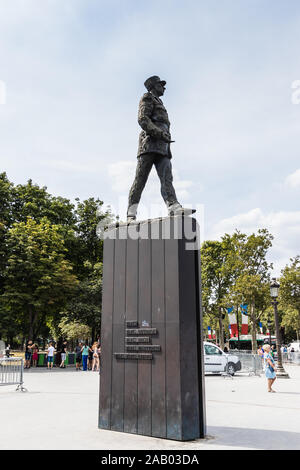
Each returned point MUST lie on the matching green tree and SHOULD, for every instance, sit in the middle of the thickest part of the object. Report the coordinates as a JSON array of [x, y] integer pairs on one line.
[[289, 294], [5, 223], [217, 278], [85, 305], [31, 200], [74, 330], [252, 277], [86, 245], [38, 278], [31, 207]]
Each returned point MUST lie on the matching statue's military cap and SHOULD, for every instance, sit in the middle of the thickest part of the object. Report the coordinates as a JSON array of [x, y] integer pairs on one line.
[[151, 82]]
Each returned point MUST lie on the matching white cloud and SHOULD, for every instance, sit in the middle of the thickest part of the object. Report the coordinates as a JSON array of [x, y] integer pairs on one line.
[[121, 175], [293, 180], [283, 225], [65, 165]]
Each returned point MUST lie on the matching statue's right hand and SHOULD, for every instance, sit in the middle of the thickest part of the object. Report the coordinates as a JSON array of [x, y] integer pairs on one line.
[[166, 137]]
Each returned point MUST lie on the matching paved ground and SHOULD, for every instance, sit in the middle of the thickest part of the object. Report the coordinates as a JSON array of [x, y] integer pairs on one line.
[[59, 411]]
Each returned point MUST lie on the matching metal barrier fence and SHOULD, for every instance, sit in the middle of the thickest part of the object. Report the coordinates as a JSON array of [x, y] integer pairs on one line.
[[291, 357], [11, 372], [287, 357], [252, 364], [247, 364]]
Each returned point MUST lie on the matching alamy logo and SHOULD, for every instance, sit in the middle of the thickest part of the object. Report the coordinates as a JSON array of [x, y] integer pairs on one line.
[[2, 92]]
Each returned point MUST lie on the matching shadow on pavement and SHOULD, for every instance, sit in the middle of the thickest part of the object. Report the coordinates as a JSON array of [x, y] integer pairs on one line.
[[261, 439], [36, 370]]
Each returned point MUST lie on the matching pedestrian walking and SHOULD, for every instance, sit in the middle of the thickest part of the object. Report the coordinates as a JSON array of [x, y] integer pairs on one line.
[[96, 357], [78, 356], [270, 369], [50, 356], [272, 351], [7, 350], [63, 354], [35, 355], [260, 352], [28, 354], [85, 354], [90, 358]]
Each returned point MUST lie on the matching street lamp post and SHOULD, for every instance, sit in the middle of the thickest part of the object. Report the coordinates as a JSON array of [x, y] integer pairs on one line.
[[274, 288], [269, 329]]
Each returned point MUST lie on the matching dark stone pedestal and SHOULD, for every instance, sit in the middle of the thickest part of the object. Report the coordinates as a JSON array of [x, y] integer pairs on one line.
[[151, 379]]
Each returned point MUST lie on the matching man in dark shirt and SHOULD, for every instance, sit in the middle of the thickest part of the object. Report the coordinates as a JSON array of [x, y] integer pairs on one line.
[[28, 354], [154, 149], [78, 355]]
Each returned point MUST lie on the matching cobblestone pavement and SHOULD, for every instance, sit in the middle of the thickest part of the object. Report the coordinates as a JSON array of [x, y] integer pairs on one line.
[[59, 411]]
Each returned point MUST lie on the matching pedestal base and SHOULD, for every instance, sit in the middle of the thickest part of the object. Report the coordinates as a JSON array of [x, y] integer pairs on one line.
[[281, 373], [151, 380]]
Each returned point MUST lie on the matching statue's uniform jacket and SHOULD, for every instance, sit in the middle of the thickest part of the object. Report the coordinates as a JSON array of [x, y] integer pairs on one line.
[[154, 120]]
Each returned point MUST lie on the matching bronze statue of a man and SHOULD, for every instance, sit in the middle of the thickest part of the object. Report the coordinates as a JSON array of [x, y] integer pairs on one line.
[[154, 149]]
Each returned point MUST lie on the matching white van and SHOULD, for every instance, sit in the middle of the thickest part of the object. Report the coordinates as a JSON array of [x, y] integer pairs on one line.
[[216, 361], [295, 345]]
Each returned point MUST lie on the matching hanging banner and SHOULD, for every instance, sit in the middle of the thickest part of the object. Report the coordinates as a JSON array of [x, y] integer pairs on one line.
[[233, 322], [261, 327], [230, 331], [214, 334], [209, 332], [244, 309]]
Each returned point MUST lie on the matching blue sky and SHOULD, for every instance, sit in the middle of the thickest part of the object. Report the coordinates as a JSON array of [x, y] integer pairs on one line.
[[74, 73]]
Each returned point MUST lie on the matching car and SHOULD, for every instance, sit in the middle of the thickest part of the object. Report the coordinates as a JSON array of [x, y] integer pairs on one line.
[[217, 361]]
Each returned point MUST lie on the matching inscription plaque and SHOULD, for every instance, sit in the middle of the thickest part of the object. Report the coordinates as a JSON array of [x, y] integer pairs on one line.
[[144, 356], [137, 339], [132, 324], [142, 331], [141, 347]]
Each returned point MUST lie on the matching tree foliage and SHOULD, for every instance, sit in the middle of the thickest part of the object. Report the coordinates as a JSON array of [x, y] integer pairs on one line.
[[290, 294], [50, 260], [74, 330], [38, 278], [234, 271]]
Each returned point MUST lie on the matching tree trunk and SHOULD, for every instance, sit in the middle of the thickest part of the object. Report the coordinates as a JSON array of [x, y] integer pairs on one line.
[[30, 331], [253, 328], [32, 321], [221, 329]]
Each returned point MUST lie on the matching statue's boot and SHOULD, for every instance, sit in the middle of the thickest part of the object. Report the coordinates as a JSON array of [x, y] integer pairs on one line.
[[177, 209], [131, 213]]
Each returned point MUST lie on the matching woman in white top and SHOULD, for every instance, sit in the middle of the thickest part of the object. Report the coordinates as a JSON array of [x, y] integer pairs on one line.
[[50, 356]]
